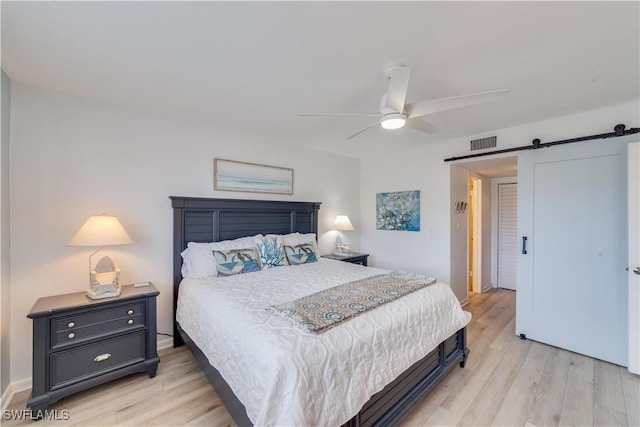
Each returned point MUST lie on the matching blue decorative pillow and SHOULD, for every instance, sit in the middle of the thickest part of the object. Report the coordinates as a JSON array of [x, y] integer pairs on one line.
[[236, 261], [271, 252], [300, 254]]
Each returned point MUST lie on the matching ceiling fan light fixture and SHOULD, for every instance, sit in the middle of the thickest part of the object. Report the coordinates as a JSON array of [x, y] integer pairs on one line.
[[393, 121]]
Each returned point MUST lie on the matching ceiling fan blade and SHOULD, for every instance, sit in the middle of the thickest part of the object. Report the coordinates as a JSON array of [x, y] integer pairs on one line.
[[397, 91], [442, 104], [362, 130], [342, 114], [421, 125]]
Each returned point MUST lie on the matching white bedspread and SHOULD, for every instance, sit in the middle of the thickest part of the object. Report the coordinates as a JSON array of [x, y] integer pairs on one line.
[[288, 378]]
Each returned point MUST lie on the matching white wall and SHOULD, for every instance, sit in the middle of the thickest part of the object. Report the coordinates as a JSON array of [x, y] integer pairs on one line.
[[436, 249], [71, 158], [5, 284], [458, 278]]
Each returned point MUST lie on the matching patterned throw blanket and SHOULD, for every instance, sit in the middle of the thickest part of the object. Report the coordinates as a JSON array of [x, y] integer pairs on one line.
[[323, 310]]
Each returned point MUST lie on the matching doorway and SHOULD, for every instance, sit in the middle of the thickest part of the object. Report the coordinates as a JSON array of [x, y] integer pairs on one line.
[[474, 243], [478, 243], [507, 235]]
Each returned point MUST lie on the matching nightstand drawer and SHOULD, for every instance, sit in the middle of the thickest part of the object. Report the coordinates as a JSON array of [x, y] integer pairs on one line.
[[73, 335], [68, 323], [357, 260], [84, 362]]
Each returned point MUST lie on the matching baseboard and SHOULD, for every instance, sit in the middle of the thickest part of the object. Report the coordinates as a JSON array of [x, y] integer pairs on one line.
[[165, 343], [6, 397], [487, 288], [12, 389], [464, 302]]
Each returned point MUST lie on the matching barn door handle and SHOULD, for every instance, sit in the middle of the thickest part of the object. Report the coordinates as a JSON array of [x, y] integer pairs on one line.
[[524, 245]]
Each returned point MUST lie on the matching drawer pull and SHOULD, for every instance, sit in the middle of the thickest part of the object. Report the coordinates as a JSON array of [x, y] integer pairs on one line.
[[130, 321], [129, 312], [70, 325], [71, 335], [102, 357]]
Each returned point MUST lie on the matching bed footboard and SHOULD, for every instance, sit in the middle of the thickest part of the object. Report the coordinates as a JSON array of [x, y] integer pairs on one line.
[[396, 400], [386, 407]]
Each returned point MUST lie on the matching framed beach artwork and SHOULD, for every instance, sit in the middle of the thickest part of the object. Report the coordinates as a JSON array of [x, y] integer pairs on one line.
[[398, 210], [230, 175]]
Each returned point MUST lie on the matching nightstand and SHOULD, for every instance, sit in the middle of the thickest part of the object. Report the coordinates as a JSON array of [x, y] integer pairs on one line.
[[79, 343], [353, 257]]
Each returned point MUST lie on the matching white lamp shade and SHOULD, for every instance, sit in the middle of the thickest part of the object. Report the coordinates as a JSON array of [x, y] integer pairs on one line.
[[342, 223], [101, 230]]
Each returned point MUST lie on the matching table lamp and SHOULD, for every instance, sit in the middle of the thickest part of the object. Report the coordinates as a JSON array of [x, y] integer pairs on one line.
[[342, 223], [102, 230]]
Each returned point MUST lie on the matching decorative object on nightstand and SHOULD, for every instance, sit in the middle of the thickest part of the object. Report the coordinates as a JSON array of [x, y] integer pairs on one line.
[[102, 230], [80, 343], [342, 223], [352, 257]]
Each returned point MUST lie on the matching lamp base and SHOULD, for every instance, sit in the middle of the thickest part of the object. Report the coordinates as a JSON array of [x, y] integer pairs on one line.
[[103, 291]]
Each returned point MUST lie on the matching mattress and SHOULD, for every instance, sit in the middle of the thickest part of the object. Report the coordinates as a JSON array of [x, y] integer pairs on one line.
[[287, 377]]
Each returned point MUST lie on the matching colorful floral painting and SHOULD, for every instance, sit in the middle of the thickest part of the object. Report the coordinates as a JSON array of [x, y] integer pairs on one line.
[[399, 210]]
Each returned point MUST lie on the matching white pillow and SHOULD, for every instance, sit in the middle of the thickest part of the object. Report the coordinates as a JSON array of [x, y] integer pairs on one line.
[[198, 260], [295, 239], [187, 269], [240, 243]]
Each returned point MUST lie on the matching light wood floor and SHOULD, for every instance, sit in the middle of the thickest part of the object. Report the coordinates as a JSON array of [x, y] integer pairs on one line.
[[506, 381]]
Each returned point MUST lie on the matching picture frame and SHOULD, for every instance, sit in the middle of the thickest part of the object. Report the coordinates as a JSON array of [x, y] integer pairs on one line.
[[399, 210], [232, 175]]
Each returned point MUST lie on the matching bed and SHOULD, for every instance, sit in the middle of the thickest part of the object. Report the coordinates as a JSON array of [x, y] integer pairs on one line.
[[214, 220]]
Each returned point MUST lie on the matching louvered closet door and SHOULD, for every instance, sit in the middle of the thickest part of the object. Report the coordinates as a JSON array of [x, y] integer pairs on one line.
[[507, 235]]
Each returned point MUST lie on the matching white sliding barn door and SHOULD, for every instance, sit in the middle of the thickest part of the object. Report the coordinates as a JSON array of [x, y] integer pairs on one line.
[[507, 235], [572, 283], [634, 257]]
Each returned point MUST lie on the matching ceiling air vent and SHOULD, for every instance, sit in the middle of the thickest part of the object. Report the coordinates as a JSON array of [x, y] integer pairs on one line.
[[482, 143]]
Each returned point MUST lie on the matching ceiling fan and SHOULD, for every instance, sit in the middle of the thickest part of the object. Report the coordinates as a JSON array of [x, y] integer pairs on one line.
[[394, 113]]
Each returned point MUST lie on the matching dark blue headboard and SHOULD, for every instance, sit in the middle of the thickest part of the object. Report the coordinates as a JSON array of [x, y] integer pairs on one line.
[[212, 220]]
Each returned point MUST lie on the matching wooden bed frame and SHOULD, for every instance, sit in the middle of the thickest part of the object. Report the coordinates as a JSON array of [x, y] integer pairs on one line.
[[211, 220]]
